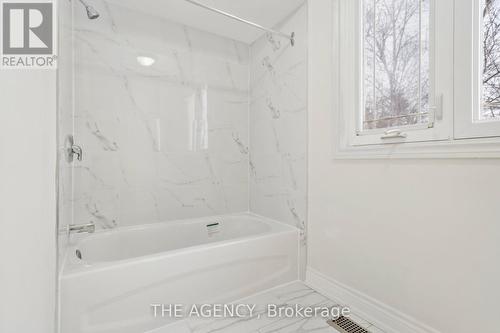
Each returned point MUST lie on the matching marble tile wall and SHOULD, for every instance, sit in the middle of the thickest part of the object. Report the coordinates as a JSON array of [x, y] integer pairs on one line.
[[65, 108], [65, 119], [163, 142], [214, 126], [278, 124]]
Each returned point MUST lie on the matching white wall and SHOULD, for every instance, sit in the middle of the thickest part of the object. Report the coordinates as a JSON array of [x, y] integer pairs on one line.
[[28, 201], [422, 236]]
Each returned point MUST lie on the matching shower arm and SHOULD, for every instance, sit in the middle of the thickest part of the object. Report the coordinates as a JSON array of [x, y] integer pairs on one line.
[[290, 37], [92, 14]]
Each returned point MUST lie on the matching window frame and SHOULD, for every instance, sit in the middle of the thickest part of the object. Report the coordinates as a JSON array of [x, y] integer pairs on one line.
[[434, 130], [441, 141], [468, 74]]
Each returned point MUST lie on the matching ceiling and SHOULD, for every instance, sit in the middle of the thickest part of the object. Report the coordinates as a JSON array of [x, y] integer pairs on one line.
[[264, 12]]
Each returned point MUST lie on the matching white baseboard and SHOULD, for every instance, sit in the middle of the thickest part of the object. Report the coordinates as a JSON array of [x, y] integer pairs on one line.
[[379, 314]]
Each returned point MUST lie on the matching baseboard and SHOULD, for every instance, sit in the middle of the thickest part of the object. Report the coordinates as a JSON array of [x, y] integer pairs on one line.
[[381, 315]]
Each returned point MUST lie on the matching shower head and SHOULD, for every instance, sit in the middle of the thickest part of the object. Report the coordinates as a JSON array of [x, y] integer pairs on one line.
[[92, 14]]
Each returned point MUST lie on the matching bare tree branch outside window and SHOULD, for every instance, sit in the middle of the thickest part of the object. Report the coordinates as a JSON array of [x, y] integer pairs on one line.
[[396, 63], [491, 60]]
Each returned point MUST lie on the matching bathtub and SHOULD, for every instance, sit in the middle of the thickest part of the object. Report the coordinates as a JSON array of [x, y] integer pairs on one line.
[[110, 279]]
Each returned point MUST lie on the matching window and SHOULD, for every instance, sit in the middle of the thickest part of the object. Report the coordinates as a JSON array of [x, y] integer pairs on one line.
[[490, 55], [402, 75], [418, 73], [478, 77], [396, 47]]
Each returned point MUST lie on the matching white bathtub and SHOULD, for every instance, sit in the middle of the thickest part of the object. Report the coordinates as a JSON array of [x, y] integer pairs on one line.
[[210, 260]]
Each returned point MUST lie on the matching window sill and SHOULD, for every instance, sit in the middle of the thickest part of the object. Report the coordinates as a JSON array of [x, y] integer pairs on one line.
[[466, 148]]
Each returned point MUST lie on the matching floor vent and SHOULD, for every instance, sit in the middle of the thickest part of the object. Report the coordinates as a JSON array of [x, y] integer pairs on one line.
[[346, 325]]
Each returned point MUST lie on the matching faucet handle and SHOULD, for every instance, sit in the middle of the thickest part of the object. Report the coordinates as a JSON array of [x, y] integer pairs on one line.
[[72, 150], [77, 150]]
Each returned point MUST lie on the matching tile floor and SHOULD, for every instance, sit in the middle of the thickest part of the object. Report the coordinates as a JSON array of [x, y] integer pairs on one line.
[[260, 322]]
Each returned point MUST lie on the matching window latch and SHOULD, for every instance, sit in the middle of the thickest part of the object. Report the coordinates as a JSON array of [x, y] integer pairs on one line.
[[436, 111], [394, 134]]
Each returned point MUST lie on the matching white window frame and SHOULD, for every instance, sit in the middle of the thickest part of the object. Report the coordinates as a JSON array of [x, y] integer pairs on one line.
[[439, 69], [439, 141], [468, 74]]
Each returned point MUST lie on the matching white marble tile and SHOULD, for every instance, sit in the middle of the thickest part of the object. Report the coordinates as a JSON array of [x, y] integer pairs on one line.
[[164, 142], [174, 140], [65, 121], [278, 126], [261, 322], [182, 124]]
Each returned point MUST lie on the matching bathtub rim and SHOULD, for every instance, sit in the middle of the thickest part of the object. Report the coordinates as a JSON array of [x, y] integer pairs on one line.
[[72, 265]]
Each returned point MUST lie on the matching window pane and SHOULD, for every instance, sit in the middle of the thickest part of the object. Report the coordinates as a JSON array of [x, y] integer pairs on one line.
[[396, 63], [490, 60]]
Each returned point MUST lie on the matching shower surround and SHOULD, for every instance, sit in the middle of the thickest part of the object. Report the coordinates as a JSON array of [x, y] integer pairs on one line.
[[213, 127], [278, 124], [163, 142]]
